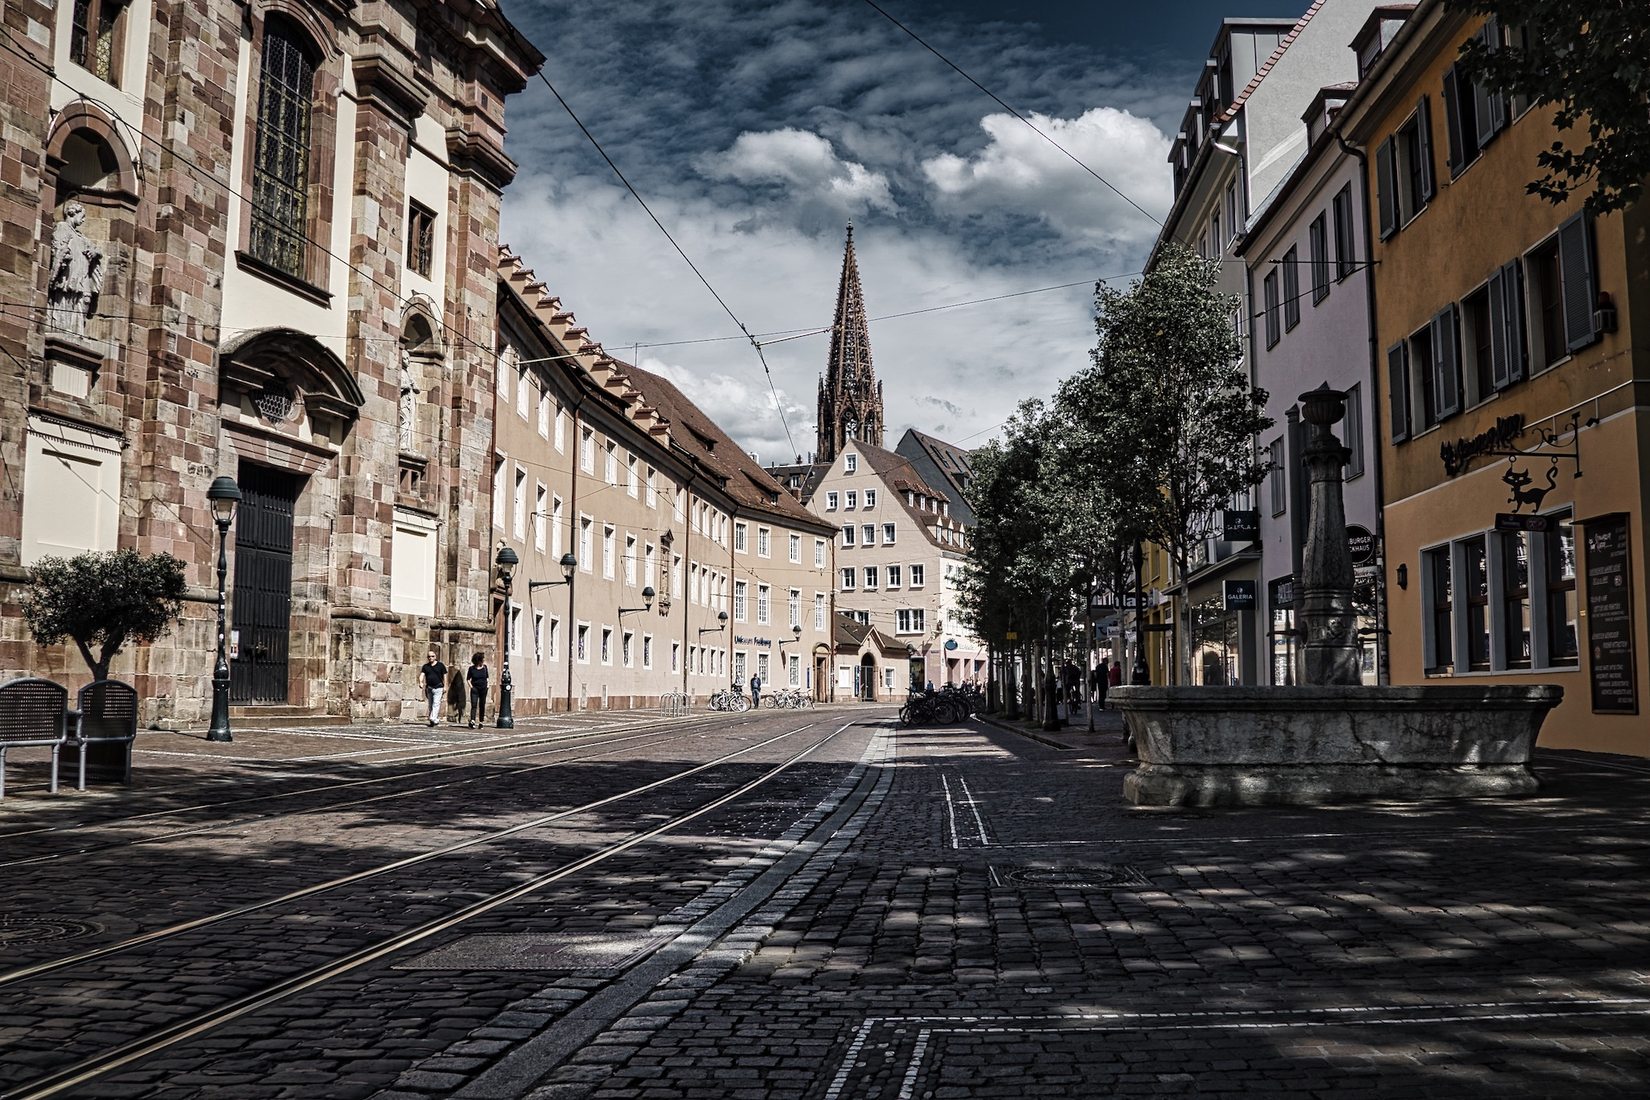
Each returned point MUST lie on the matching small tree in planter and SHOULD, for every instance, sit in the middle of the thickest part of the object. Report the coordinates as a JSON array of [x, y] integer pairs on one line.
[[104, 600]]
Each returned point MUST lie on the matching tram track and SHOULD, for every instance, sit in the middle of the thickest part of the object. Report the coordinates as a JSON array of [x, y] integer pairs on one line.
[[493, 771], [195, 1022]]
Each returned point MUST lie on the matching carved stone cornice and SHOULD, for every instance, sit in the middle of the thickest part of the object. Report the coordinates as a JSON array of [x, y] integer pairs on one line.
[[478, 156], [380, 80]]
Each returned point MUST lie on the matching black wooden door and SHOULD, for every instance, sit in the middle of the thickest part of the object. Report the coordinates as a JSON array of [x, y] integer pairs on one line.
[[263, 584]]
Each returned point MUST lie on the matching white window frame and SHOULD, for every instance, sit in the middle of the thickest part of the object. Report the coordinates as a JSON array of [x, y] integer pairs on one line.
[[796, 549], [850, 463], [763, 599], [830, 502], [764, 539]]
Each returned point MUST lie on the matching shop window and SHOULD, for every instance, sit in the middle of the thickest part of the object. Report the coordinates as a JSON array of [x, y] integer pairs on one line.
[[1562, 648], [1475, 592], [1440, 647], [1515, 598]]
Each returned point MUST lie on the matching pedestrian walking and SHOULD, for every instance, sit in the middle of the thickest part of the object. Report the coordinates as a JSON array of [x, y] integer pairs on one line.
[[477, 675], [756, 690], [1101, 682], [1115, 677], [435, 684]]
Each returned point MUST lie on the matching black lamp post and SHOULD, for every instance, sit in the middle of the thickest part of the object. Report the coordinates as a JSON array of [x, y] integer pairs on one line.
[[1141, 673], [224, 495], [506, 562]]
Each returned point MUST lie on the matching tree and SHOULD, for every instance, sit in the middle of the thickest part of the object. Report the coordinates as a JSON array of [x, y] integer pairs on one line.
[[1591, 60], [1167, 372], [104, 600]]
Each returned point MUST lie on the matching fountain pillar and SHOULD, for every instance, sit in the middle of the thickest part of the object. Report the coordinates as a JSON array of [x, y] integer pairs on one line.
[[1328, 620]]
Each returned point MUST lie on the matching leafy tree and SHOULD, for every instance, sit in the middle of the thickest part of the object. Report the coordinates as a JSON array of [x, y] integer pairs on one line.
[[104, 600], [1590, 59], [1169, 381]]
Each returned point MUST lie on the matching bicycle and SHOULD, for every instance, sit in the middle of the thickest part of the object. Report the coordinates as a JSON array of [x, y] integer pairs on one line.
[[730, 700]]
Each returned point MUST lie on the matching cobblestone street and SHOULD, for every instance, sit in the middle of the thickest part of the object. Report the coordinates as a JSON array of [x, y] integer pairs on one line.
[[802, 904]]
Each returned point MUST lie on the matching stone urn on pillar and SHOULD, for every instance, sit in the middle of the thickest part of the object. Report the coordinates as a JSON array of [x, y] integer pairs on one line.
[[1329, 623]]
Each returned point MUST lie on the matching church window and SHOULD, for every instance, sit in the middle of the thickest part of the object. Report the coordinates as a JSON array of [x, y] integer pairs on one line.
[[280, 168], [420, 239], [93, 40]]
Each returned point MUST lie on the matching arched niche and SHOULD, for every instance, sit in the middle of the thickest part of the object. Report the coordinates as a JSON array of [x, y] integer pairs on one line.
[[422, 372], [289, 382]]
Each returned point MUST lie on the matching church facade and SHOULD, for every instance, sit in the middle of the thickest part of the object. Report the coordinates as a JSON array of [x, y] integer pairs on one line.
[[256, 239]]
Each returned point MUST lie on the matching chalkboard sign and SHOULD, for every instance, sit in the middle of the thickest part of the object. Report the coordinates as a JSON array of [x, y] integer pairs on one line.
[[1610, 616]]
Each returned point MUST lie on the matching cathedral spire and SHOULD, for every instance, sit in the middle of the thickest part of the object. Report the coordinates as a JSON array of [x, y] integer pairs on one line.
[[850, 398]]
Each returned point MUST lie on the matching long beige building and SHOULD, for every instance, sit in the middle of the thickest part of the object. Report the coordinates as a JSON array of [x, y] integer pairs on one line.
[[611, 470]]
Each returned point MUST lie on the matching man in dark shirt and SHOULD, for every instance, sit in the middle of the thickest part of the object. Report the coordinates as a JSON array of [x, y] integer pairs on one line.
[[435, 684], [756, 691], [477, 675]]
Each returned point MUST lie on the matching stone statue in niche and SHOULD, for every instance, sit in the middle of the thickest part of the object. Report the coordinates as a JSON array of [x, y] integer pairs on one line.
[[76, 273], [408, 411]]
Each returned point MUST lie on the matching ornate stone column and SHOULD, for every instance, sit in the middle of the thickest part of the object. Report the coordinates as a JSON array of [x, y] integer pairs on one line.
[[1329, 653]]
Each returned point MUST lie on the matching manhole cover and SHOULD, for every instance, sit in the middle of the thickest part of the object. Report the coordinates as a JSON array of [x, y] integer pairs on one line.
[[14, 930], [1099, 876], [539, 951]]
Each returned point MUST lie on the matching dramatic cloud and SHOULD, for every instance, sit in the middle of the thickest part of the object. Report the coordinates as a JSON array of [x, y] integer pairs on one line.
[[1021, 171], [756, 128], [805, 166]]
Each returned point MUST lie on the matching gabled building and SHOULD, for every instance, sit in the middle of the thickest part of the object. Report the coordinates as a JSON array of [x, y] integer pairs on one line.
[[943, 464], [899, 558]]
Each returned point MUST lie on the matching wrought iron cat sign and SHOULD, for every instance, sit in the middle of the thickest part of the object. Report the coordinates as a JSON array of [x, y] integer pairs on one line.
[[1519, 481]]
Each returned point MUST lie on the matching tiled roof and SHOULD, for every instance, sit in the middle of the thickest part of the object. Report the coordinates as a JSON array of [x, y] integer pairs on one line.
[[1260, 74]]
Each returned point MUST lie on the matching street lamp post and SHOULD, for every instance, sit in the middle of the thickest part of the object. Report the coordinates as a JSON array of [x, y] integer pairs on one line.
[[224, 495], [1141, 673], [506, 562]]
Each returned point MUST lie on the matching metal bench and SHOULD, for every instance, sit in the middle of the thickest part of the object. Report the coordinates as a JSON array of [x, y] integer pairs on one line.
[[33, 712], [107, 728]]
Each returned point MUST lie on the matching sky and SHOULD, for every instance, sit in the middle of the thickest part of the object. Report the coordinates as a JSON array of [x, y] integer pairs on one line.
[[756, 130]]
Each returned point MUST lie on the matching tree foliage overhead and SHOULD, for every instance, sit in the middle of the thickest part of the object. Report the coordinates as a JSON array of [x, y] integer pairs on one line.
[[104, 600], [1590, 60]]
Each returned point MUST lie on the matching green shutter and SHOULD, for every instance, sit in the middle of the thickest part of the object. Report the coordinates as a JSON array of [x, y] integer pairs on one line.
[[1575, 261], [1446, 364], [1397, 372]]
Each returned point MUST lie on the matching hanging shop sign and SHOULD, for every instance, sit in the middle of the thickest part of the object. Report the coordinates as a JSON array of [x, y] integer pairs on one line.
[[1360, 544], [1512, 521], [1281, 593], [1240, 595], [1240, 525], [1611, 659]]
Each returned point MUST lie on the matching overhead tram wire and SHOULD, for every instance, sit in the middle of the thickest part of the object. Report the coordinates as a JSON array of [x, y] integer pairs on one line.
[[998, 100], [756, 344]]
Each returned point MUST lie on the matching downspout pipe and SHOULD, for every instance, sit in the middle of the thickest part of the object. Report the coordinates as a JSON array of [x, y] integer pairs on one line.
[[1383, 639]]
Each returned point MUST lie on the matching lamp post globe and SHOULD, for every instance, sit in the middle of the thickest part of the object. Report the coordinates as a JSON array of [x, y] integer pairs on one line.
[[506, 561], [568, 564], [223, 495]]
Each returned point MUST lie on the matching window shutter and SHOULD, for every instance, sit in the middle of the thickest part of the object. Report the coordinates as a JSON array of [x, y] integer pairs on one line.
[[1423, 142], [1575, 262], [1386, 189], [1500, 376], [1397, 374], [1446, 364], [1490, 105], [1452, 121], [1512, 289]]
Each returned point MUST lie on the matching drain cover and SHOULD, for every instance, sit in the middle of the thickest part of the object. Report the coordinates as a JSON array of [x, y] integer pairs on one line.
[[14, 930], [605, 954], [1095, 876]]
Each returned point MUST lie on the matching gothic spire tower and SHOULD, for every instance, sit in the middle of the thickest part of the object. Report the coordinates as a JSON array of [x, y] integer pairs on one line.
[[850, 397]]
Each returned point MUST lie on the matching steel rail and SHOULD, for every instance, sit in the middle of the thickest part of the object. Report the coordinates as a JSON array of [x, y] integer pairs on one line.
[[50, 966], [273, 815], [170, 1035]]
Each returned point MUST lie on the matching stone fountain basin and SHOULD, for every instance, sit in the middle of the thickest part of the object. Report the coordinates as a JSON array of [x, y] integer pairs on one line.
[[1251, 746]]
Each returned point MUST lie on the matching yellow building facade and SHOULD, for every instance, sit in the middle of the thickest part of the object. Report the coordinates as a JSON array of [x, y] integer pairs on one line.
[[1514, 402]]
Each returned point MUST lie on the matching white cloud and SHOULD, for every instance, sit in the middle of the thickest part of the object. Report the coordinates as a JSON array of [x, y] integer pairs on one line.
[[805, 164], [1018, 170]]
